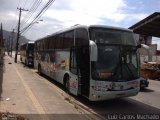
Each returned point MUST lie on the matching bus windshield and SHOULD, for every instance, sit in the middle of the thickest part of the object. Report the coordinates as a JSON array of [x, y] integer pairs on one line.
[[31, 47], [117, 56], [30, 50], [112, 36]]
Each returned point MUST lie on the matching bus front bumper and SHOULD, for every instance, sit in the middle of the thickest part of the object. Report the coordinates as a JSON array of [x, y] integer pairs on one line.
[[107, 95]]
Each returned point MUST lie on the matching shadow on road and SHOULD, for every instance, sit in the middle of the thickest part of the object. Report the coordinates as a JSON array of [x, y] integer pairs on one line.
[[52, 81], [124, 106], [146, 90]]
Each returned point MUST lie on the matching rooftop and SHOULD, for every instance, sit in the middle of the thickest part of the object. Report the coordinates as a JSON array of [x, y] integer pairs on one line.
[[149, 26]]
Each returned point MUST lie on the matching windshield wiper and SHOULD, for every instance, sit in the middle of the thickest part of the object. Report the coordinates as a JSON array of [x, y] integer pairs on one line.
[[118, 69], [125, 52], [130, 70]]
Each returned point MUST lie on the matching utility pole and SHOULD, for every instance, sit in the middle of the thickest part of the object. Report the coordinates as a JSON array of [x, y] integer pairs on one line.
[[18, 32], [8, 45], [12, 41], [1, 44]]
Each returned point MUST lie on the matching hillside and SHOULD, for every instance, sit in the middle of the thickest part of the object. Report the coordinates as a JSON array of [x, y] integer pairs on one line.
[[6, 35]]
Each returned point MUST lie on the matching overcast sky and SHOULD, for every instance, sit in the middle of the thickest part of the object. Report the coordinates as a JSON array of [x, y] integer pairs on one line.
[[66, 13]]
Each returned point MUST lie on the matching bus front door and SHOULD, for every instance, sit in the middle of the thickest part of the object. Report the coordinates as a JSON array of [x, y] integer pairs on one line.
[[83, 63], [80, 71]]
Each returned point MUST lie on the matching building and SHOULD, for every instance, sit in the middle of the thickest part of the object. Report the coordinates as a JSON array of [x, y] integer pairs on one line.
[[146, 29]]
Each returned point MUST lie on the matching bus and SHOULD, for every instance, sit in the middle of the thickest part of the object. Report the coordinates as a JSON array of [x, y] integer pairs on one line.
[[27, 53], [98, 62]]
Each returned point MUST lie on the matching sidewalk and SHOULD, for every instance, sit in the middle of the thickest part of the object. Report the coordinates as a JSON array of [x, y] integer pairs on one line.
[[1, 76], [13, 97], [25, 93]]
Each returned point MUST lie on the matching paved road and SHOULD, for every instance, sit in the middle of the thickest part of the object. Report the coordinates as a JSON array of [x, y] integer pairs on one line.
[[150, 95]]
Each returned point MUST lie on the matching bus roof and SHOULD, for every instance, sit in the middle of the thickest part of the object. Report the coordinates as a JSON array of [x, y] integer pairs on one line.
[[31, 42], [86, 27], [110, 27]]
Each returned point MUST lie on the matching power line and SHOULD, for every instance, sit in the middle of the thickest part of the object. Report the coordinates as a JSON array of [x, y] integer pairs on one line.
[[48, 4], [25, 3], [32, 10], [31, 23]]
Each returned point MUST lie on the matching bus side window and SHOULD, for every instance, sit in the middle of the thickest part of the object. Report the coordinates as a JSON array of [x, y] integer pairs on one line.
[[47, 44], [81, 37], [52, 43], [60, 37], [68, 39]]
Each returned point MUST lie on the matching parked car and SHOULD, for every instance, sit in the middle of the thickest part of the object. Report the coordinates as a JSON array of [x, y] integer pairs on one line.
[[143, 82]]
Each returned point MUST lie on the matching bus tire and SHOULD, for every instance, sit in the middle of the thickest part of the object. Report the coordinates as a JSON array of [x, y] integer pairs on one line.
[[21, 59], [39, 70], [66, 83], [25, 62]]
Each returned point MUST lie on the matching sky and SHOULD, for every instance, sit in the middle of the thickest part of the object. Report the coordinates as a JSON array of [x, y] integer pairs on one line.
[[66, 13]]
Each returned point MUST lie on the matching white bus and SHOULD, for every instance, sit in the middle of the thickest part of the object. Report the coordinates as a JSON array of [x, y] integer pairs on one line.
[[97, 62], [27, 53]]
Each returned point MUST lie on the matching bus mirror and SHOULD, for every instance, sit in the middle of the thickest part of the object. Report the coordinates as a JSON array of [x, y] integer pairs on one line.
[[148, 50], [94, 53]]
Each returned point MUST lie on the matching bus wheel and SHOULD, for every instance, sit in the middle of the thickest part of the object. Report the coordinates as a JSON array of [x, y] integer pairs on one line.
[[25, 63], [39, 70], [67, 84]]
